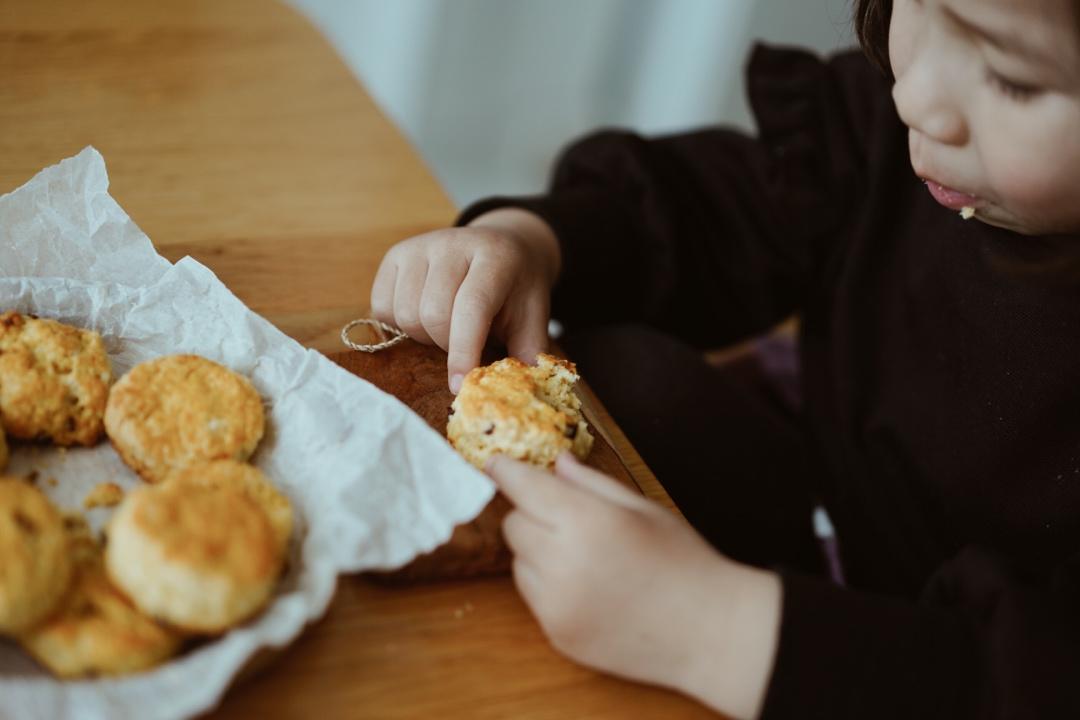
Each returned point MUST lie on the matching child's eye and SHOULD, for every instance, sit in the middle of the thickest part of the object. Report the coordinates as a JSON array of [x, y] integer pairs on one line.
[[1019, 92]]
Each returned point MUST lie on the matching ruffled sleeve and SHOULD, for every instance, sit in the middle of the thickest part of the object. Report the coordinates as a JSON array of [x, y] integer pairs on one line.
[[713, 235]]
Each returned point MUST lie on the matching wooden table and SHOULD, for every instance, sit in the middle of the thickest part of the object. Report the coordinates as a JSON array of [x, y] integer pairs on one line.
[[234, 134]]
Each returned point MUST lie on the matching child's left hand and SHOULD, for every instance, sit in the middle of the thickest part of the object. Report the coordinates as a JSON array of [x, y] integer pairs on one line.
[[620, 584]]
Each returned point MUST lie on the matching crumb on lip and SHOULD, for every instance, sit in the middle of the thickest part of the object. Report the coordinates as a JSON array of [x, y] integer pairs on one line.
[[967, 212]]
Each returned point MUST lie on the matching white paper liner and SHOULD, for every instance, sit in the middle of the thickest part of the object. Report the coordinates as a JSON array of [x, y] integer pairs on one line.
[[372, 484]]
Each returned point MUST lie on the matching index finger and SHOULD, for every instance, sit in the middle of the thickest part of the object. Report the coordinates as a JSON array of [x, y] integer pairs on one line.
[[569, 468], [478, 300], [535, 492]]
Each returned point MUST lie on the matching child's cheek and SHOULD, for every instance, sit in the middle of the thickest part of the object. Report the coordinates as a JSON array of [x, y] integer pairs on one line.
[[1030, 155], [902, 32], [1043, 188]]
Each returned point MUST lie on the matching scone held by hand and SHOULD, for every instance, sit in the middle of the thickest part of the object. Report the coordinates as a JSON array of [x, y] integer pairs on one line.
[[54, 380], [528, 413], [178, 410]]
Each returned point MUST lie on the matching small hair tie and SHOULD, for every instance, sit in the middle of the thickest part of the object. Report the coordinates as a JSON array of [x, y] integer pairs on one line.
[[396, 335]]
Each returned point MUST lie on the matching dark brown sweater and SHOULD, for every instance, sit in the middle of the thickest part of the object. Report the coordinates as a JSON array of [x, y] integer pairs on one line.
[[941, 385]]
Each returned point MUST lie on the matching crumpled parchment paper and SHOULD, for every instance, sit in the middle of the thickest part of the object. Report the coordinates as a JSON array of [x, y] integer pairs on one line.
[[372, 485]]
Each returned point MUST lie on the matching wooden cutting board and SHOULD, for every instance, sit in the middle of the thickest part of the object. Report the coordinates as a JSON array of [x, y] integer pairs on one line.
[[416, 375]]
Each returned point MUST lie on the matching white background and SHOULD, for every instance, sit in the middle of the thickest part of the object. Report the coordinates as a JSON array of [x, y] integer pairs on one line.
[[490, 90]]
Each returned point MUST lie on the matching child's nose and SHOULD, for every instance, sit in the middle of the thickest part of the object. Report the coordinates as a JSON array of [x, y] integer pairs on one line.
[[926, 103]]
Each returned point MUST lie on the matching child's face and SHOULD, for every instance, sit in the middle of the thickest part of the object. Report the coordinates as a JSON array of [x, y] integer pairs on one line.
[[990, 90]]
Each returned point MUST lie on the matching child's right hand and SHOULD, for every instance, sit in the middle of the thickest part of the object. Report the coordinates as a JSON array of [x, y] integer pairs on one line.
[[452, 287]]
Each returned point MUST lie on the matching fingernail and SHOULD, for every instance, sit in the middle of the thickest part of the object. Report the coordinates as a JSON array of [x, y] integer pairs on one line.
[[455, 383]]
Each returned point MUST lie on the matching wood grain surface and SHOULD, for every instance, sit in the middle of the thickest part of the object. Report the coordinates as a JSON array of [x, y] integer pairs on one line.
[[234, 134]]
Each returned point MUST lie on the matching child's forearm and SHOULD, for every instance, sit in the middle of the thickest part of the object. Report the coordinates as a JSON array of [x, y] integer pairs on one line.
[[732, 652], [530, 228]]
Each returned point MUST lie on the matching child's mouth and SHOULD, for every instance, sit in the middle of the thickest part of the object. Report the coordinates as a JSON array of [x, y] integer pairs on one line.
[[952, 199]]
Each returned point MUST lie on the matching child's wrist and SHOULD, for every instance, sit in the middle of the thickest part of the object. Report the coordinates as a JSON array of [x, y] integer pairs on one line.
[[732, 653]]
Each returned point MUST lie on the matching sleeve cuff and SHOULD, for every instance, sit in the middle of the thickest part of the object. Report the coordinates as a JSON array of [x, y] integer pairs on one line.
[[847, 654], [597, 264]]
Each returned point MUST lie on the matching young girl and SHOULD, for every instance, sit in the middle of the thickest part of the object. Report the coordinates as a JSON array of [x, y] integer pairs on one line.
[[940, 362]]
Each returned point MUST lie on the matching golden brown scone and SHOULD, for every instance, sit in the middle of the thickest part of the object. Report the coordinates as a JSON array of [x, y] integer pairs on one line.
[[5, 454], [249, 480], [198, 558], [96, 630], [54, 380], [34, 565], [177, 410], [528, 413]]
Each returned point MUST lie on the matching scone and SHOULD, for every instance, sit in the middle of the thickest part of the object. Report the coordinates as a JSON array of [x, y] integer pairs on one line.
[[198, 558], [35, 569], [528, 413], [177, 410], [96, 630], [249, 480], [54, 380]]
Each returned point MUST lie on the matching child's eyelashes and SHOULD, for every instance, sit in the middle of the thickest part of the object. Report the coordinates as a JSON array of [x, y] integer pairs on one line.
[[1020, 92]]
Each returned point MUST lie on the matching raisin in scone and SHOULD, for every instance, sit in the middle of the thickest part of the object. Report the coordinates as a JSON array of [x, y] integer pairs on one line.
[[524, 412]]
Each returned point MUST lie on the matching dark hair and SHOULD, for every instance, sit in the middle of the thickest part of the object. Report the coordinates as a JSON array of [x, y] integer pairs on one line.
[[872, 28]]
